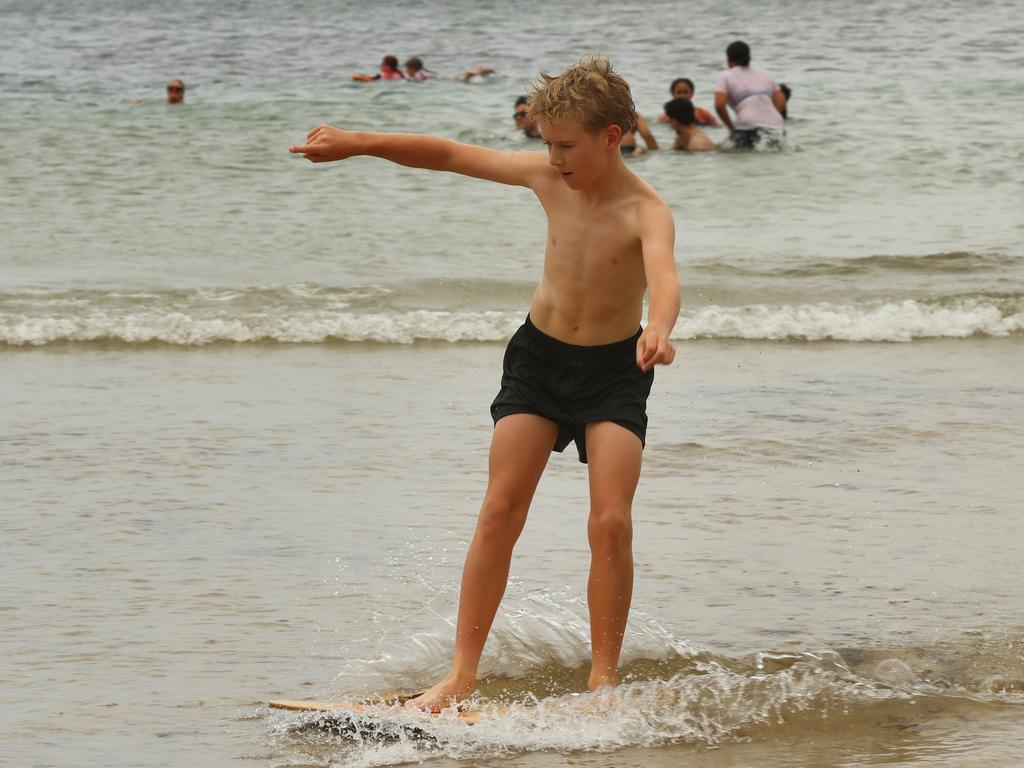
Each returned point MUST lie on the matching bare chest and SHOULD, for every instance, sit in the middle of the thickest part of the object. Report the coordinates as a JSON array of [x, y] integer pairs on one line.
[[593, 243]]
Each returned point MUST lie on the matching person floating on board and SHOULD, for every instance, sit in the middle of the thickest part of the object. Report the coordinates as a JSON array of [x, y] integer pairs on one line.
[[388, 71], [753, 94], [416, 72], [580, 368]]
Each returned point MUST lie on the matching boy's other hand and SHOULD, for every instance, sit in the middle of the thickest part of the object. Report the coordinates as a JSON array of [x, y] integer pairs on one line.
[[654, 348], [325, 143]]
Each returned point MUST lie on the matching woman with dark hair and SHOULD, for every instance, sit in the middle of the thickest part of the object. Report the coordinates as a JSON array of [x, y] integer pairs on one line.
[[683, 88], [755, 98], [388, 71]]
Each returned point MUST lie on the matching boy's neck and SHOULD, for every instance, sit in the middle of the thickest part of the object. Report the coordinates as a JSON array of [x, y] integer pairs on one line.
[[607, 185]]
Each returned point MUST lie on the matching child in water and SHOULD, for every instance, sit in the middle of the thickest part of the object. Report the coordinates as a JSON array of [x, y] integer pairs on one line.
[[681, 114], [580, 368]]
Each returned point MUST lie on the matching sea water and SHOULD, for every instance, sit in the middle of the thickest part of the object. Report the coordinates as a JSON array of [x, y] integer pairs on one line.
[[244, 399]]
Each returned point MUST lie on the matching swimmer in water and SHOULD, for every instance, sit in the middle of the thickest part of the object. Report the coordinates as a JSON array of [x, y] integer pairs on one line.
[[689, 137], [472, 72], [629, 147], [388, 71], [523, 121], [416, 72], [175, 93], [682, 88], [787, 92]]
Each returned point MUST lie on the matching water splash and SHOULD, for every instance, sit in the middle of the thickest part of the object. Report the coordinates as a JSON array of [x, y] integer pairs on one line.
[[535, 667]]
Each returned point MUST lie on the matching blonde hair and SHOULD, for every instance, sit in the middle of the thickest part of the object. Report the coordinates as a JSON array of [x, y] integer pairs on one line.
[[590, 93]]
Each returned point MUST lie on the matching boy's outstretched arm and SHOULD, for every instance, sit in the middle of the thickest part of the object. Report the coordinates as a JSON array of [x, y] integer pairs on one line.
[[326, 143], [657, 239]]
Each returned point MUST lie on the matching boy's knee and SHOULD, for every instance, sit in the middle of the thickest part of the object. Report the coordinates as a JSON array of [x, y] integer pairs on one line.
[[610, 528], [501, 518]]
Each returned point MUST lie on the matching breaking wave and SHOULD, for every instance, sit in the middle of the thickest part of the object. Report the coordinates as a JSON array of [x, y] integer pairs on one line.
[[304, 314]]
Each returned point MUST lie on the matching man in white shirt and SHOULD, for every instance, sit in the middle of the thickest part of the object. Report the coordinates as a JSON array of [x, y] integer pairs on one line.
[[754, 96]]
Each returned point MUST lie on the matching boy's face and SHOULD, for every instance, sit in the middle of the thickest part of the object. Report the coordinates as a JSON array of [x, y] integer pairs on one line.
[[682, 91], [578, 155]]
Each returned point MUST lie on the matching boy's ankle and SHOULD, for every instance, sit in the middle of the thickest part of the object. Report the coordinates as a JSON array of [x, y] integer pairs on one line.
[[602, 680], [461, 680]]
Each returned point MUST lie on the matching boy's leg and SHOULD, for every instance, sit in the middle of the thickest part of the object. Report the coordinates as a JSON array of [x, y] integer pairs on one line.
[[614, 456], [520, 448]]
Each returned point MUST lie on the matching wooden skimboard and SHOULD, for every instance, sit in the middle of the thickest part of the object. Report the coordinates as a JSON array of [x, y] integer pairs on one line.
[[385, 720]]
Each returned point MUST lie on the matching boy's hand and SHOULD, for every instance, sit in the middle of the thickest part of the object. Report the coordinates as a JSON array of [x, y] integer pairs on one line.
[[325, 143], [654, 348]]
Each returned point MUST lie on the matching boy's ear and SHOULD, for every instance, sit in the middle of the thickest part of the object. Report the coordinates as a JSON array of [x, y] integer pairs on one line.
[[613, 135]]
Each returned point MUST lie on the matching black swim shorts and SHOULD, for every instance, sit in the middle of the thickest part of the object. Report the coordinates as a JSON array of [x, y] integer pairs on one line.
[[749, 138], [573, 385]]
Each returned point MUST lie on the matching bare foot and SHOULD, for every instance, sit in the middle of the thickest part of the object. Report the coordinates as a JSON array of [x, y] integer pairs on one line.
[[448, 692], [599, 680]]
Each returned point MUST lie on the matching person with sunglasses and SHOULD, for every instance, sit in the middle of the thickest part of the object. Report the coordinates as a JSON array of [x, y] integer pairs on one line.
[[175, 92], [523, 121]]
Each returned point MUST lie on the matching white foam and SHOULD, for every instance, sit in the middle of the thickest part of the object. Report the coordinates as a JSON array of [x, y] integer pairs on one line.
[[694, 696], [307, 316], [703, 709], [299, 327], [874, 321]]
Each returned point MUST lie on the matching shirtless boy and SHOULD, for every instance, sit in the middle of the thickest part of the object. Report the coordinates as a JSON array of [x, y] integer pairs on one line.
[[580, 368], [682, 115]]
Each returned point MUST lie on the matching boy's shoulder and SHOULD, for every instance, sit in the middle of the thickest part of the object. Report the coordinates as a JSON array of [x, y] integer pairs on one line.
[[644, 196], [644, 206]]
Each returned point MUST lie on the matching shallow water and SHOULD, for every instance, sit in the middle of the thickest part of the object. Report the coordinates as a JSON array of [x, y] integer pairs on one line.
[[243, 419], [197, 531]]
